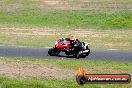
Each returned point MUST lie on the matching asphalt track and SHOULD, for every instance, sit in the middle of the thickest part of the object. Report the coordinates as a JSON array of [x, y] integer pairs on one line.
[[98, 55]]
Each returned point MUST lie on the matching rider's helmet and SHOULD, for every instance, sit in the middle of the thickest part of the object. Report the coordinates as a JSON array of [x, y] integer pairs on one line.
[[73, 38]]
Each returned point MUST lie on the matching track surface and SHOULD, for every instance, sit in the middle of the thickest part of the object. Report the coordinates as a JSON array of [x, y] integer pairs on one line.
[[98, 55]]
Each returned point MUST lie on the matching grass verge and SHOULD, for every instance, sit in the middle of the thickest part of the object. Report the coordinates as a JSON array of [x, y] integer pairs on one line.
[[46, 83], [46, 36], [71, 19], [67, 13], [68, 64], [89, 65], [112, 21]]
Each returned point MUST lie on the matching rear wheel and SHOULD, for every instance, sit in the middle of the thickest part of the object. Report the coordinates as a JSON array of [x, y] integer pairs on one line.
[[78, 55], [88, 52], [81, 55]]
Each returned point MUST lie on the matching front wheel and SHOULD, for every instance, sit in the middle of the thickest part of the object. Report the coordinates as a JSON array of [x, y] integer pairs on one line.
[[53, 52]]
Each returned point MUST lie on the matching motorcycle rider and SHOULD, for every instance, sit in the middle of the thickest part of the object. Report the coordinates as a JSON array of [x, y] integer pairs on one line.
[[72, 41]]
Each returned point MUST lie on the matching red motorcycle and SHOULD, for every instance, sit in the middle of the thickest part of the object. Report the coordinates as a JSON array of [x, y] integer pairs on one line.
[[78, 50]]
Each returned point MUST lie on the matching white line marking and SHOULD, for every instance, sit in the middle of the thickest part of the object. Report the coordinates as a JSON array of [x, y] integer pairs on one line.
[[112, 49], [47, 47]]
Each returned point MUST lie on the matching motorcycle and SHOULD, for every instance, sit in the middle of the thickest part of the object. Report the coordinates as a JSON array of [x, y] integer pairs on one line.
[[78, 50]]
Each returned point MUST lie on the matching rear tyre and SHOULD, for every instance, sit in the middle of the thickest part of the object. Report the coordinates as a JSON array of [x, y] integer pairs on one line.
[[88, 52], [78, 55]]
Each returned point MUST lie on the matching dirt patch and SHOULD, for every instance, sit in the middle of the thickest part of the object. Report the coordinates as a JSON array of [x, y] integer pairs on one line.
[[10, 7], [87, 33], [34, 33], [27, 31], [28, 70], [51, 2]]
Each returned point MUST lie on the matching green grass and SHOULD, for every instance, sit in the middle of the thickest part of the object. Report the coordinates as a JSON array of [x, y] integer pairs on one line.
[[90, 64], [75, 64], [29, 41], [49, 83], [38, 13], [65, 64], [71, 19]]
